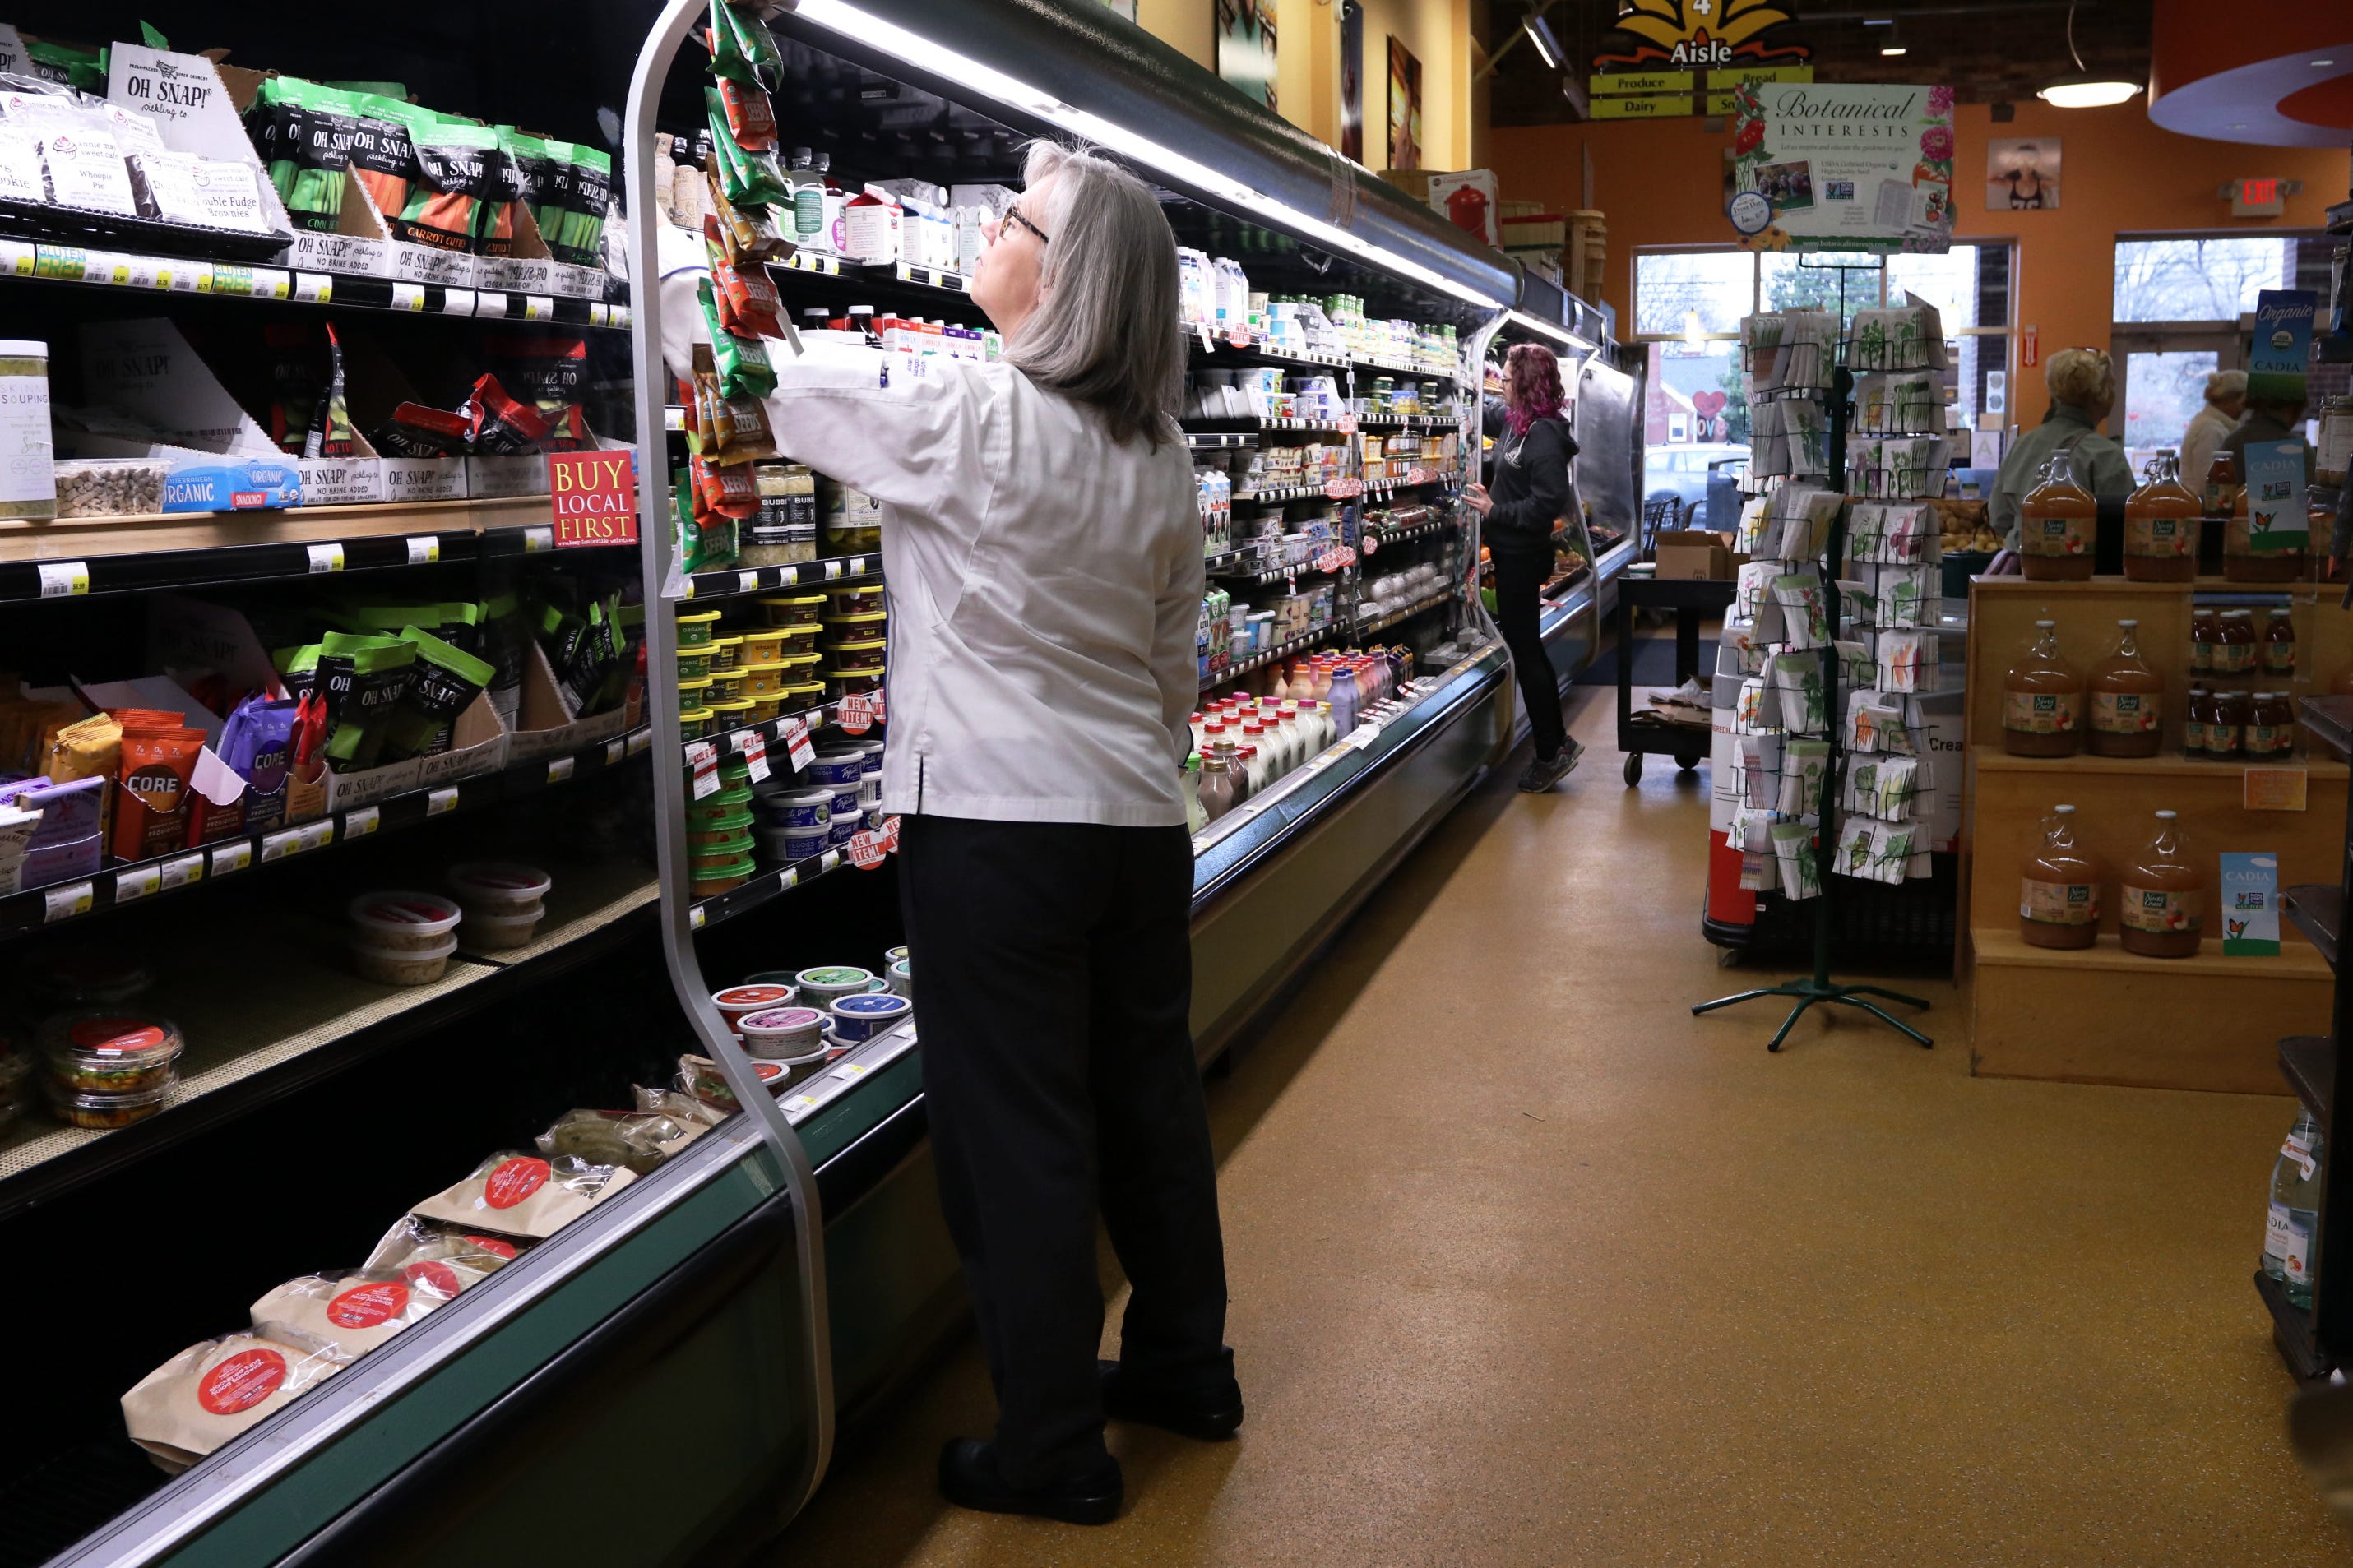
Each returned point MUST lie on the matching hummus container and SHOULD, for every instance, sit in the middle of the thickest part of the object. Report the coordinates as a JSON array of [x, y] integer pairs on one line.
[[724, 828], [874, 815], [895, 954], [723, 652], [858, 657], [858, 1019], [693, 693], [872, 770], [694, 724], [840, 683], [701, 1077], [100, 1112], [901, 976], [797, 639], [495, 934], [764, 709], [404, 966], [821, 987], [848, 627], [779, 1034], [729, 716], [697, 628], [762, 679], [693, 664], [855, 599], [724, 879], [403, 922], [110, 1053], [786, 845], [843, 830], [845, 799], [498, 886], [802, 808], [762, 647], [800, 697], [730, 798], [793, 609], [726, 686], [708, 857], [837, 766], [735, 1001]]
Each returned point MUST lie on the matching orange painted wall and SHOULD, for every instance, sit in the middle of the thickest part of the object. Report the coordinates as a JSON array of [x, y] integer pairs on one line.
[[1660, 183]]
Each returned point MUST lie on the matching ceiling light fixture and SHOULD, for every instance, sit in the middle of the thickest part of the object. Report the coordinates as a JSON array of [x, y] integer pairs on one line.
[[1892, 45], [1694, 333], [1539, 32], [1550, 330], [2083, 89], [2324, 62]]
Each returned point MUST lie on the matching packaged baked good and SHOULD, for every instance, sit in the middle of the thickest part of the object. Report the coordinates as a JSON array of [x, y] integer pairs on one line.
[[213, 1390], [439, 1260], [636, 1140], [517, 1195], [352, 1313]]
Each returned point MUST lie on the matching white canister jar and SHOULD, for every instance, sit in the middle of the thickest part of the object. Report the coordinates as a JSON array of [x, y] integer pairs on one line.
[[28, 481]]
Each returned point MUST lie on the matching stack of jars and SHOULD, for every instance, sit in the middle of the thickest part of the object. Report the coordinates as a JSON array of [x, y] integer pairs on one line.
[[854, 641], [719, 831], [2241, 707], [2050, 709]]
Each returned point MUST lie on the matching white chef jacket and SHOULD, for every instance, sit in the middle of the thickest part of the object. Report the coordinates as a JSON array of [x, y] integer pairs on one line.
[[1045, 585]]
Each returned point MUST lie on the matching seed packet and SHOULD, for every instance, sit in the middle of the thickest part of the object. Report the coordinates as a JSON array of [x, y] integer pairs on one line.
[[744, 175], [1760, 758], [1856, 666], [1752, 584], [1891, 793], [740, 425], [443, 681], [1798, 685], [150, 811], [1858, 602], [439, 1261], [1757, 708], [213, 1390], [525, 1196], [744, 369], [1892, 849], [364, 679], [256, 743], [1793, 847], [1760, 869], [414, 430], [1803, 764], [749, 231], [1909, 596], [1804, 620], [1904, 661], [742, 48]]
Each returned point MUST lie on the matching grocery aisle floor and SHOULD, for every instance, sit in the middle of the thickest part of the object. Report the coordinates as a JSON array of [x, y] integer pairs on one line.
[[1530, 1267]]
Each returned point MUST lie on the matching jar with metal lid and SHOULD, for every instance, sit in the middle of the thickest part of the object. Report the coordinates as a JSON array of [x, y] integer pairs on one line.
[[2198, 708], [2234, 644], [2279, 642], [28, 480], [2270, 735], [2226, 724], [2205, 631]]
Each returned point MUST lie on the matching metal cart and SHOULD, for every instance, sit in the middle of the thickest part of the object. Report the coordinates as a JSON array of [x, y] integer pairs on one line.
[[1691, 601]]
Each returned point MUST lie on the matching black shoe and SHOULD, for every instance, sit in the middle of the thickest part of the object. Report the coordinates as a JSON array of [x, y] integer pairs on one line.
[[1209, 1411], [969, 1478], [1546, 771]]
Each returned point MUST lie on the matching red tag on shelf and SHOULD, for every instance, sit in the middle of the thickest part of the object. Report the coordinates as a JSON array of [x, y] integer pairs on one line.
[[704, 757], [797, 742], [755, 753], [857, 714], [866, 851]]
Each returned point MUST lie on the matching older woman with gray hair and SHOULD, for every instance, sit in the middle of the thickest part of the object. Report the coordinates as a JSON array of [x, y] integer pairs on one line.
[[1042, 546], [2226, 399], [2083, 384]]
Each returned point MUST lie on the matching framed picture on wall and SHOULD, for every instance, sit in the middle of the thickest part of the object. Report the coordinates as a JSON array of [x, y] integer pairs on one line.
[[1404, 107], [1246, 47], [2022, 173], [1352, 80]]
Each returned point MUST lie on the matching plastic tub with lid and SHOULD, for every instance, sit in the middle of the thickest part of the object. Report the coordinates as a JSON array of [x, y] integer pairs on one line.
[[800, 809], [902, 977], [496, 933], [111, 1052], [800, 697], [498, 886], [843, 830], [775, 1034], [726, 717], [694, 692], [100, 1112], [856, 625], [856, 598], [724, 828], [822, 987], [792, 609], [766, 709], [403, 966], [724, 651], [872, 770], [858, 657], [694, 724], [837, 767], [840, 684], [403, 921], [724, 685], [859, 1019], [697, 628], [786, 845], [91, 978], [753, 996], [707, 857], [693, 663], [725, 879]]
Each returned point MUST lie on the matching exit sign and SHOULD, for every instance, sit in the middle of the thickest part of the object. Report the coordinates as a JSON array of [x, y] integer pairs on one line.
[[2261, 197]]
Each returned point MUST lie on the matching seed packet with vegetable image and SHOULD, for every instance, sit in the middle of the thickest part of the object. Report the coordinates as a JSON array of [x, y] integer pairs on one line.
[[1904, 661], [1804, 622], [1856, 666], [1890, 791], [1866, 531], [1753, 583], [1803, 764], [213, 1390], [1852, 856], [1758, 707], [1793, 847], [1797, 684], [1760, 869], [1892, 849], [1760, 755]]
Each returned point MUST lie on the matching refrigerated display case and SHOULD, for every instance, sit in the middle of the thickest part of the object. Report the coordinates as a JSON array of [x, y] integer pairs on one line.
[[784, 1270]]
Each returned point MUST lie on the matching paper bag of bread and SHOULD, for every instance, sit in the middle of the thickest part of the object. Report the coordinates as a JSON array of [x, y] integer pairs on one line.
[[437, 1260], [517, 1195], [352, 1313], [211, 1392]]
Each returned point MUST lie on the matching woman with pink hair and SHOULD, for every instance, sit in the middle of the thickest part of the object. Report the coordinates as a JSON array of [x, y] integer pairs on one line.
[[1532, 493]]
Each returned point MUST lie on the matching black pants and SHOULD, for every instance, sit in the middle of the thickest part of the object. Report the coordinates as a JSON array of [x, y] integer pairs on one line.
[[1517, 580], [1054, 975]]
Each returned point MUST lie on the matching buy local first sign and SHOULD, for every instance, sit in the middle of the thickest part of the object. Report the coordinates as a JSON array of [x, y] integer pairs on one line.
[[593, 496]]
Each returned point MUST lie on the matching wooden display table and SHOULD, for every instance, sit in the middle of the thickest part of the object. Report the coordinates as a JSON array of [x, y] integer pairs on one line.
[[2101, 1015]]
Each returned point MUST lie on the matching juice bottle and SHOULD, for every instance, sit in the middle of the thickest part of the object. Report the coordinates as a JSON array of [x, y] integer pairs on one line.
[[2196, 710], [2055, 526], [2270, 734], [2161, 526], [2221, 485], [2226, 724], [2161, 898], [2059, 891], [2234, 644], [2242, 562], [2205, 631], [2279, 642], [2042, 701], [2127, 701]]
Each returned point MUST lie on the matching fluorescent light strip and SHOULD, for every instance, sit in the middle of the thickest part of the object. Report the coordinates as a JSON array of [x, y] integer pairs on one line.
[[924, 55], [1538, 324]]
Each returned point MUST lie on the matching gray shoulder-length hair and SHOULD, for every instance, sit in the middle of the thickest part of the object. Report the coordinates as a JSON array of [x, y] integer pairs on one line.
[[1107, 330]]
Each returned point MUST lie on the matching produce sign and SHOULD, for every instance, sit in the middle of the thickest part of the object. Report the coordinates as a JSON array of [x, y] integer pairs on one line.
[[1836, 167]]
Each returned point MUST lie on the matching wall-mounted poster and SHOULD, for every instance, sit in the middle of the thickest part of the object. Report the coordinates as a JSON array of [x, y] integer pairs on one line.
[[1404, 107], [2021, 173], [1820, 166], [1246, 47], [1124, 7], [1352, 80]]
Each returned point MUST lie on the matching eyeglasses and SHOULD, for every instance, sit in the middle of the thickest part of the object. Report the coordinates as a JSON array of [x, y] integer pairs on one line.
[[1013, 215]]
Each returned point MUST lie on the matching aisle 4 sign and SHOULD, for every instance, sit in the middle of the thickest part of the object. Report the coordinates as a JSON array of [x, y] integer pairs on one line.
[[1668, 42]]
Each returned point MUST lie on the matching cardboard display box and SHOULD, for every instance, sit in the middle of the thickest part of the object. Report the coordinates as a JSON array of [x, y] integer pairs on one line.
[[1695, 554]]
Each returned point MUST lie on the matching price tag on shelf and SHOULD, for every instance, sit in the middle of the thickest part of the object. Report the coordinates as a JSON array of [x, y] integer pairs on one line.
[[279, 845], [600, 314], [317, 834], [65, 263], [149, 272], [185, 276], [799, 1105], [694, 918], [326, 557], [442, 801], [108, 267], [833, 568], [748, 582], [703, 762], [273, 283], [360, 823], [490, 304], [536, 539], [852, 1071], [459, 303], [795, 736], [615, 750], [137, 883], [754, 748], [232, 279], [18, 259], [1363, 736], [639, 740], [538, 307], [559, 769], [789, 879], [828, 861], [423, 548], [621, 316], [315, 289], [231, 857], [856, 714], [183, 869], [64, 579], [65, 903], [408, 296]]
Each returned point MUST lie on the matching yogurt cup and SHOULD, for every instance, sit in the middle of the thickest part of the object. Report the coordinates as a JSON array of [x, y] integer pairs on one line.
[[492, 934], [782, 1034], [498, 886], [895, 954], [870, 791], [837, 766], [858, 1019], [822, 987], [406, 966], [404, 922], [753, 996], [843, 830], [845, 800]]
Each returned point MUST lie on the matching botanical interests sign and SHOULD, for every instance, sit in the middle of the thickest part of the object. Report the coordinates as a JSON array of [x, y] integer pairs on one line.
[[1836, 167]]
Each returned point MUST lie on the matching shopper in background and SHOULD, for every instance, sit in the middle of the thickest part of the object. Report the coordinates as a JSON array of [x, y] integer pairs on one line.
[[1533, 491], [2083, 384], [2226, 399], [2268, 419], [1042, 545]]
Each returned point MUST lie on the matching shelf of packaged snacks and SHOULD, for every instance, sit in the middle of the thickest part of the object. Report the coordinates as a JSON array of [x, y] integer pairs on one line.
[[2317, 909], [137, 554], [1367, 628], [773, 882], [772, 731], [1219, 441], [1415, 478], [1396, 368], [1406, 422], [1255, 428], [2292, 1329], [137, 882], [248, 1044], [2308, 1063], [704, 585], [2329, 721], [92, 267]]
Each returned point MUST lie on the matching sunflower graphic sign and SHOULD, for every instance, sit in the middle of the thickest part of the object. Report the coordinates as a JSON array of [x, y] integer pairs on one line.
[[1665, 58]]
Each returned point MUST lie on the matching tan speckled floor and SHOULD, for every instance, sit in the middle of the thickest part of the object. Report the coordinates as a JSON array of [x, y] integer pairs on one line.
[[1529, 1266]]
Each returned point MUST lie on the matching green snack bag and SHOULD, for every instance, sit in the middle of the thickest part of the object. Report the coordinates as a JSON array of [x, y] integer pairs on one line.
[[461, 627], [304, 132], [745, 177], [506, 645], [364, 679], [542, 179], [298, 666], [591, 192], [591, 656], [702, 546], [452, 176], [744, 367], [445, 679], [82, 69]]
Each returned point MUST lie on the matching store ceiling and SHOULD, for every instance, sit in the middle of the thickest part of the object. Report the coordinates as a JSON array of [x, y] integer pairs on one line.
[[1988, 51]]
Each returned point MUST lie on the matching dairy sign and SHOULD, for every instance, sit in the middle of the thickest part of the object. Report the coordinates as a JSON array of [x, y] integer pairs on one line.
[[1667, 58], [1836, 167], [595, 498]]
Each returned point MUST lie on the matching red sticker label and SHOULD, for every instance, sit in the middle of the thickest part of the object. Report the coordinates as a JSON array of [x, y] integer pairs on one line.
[[857, 714], [434, 1279], [117, 1036], [866, 849], [513, 1182], [369, 1306], [494, 1247], [241, 1381]]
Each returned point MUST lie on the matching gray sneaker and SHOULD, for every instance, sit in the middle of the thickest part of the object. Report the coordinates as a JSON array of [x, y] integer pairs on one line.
[[1546, 771]]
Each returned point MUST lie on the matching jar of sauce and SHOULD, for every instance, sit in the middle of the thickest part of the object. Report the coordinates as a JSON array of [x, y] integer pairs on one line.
[[2226, 724], [2205, 631], [2161, 525], [2270, 735], [2127, 716], [2056, 525], [2221, 485], [2242, 562], [2059, 889], [2042, 701], [2279, 642], [2234, 643], [2161, 898], [2196, 710]]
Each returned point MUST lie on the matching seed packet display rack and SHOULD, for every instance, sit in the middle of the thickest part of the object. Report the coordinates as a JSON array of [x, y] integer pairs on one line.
[[1867, 814]]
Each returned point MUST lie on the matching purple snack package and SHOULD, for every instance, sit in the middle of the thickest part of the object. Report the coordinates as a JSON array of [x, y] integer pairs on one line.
[[258, 742]]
